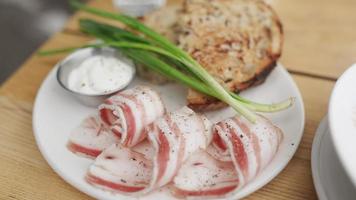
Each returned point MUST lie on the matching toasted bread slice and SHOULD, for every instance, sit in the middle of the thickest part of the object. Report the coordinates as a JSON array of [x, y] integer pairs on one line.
[[236, 41]]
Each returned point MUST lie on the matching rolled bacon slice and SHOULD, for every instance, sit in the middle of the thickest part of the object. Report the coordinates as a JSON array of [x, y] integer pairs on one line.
[[129, 112], [153, 164], [91, 138], [239, 151], [122, 118]]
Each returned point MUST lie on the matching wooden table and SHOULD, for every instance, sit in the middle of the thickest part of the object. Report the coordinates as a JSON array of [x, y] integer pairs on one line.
[[320, 43]]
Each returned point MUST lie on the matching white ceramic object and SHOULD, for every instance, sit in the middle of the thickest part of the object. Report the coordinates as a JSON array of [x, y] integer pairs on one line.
[[136, 8], [330, 179], [342, 120], [56, 113]]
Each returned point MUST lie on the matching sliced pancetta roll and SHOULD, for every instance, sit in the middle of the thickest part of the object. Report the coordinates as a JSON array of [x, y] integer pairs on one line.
[[239, 151], [121, 119], [127, 113], [91, 138], [147, 166]]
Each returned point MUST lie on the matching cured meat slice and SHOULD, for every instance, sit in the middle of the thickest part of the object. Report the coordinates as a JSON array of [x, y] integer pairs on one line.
[[91, 138], [202, 175], [121, 119], [128, 112], [143, 168], [119, 168], [175, 137], [241, 147]]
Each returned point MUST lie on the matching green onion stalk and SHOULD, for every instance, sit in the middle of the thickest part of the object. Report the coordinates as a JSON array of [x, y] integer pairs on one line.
[[96, 29], [159, 54]]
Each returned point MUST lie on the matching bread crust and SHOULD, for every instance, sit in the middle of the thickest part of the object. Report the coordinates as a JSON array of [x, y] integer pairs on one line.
[[237, 41]]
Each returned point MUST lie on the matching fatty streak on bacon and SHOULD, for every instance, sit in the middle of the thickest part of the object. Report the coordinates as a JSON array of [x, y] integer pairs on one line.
[[91, 138], [172, 139], [119, 168], [175, 137], [97, 133], [202, 175], [250, 147], [129, 112]]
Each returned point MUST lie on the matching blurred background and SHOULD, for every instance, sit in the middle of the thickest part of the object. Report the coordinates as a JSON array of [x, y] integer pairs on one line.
[[26, 24]]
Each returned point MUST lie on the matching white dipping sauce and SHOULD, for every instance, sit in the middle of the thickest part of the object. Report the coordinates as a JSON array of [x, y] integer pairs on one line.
[[101, 75]]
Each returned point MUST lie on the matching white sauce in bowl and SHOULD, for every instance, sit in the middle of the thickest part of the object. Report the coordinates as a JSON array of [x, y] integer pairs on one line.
[[101, 75]]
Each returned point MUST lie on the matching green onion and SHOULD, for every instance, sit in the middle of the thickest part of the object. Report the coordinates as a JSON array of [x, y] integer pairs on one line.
[[185, 58], [155, 64], [159, 54]]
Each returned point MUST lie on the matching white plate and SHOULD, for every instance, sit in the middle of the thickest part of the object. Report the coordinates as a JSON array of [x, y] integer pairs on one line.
[[56, 113], [342, 120], [330, 179]]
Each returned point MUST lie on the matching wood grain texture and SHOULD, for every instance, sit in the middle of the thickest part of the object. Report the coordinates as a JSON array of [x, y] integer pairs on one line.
[[313, 48], [24, 174], [320, 37]]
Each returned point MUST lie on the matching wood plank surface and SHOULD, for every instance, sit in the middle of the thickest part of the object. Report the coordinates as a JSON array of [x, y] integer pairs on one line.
[[320, 37], [314, 52]]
